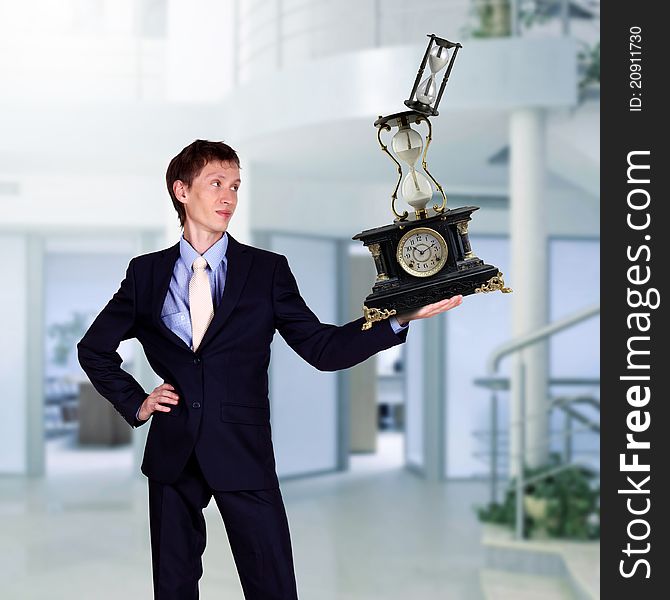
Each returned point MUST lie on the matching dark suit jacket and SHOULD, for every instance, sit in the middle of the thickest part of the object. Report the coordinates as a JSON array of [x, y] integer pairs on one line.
[[223, 410]]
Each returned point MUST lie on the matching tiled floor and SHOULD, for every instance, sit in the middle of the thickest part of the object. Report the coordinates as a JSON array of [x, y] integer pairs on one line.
[[376, 532]]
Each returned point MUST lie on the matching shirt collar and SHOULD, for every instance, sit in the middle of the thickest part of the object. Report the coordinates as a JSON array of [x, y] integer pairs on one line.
[[213, 255]]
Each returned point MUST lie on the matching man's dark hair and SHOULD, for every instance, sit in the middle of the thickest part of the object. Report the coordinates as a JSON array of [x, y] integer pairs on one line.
[[186, 166]]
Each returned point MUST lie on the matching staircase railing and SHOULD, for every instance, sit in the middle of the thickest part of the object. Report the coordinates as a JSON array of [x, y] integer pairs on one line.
[[496, 383]]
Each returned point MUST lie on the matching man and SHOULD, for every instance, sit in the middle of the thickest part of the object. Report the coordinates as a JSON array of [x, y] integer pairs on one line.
[[205, 311]]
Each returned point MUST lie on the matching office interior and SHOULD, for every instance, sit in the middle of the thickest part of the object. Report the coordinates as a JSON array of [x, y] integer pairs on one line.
[[382, 466]]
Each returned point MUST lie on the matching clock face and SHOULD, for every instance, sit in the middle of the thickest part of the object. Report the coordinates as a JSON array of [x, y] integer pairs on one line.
[[422, 252]]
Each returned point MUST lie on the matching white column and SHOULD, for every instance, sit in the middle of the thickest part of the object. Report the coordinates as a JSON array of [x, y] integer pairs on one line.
[[415, 449], [434, 398], [530, 281], [35, 340]]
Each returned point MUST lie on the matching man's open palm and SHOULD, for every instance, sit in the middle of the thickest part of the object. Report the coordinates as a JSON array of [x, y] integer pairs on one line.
[[430, 310]]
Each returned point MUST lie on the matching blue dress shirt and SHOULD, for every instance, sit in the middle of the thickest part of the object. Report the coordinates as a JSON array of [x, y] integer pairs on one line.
[[176, 313]]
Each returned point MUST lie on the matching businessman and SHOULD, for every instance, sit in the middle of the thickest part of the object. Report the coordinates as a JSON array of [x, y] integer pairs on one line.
[[205, 311]]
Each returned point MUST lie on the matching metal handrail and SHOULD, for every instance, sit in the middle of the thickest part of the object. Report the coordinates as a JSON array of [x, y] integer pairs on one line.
[[574, 414], [512, 347], [567, 400], [543, 333], [502, 383]]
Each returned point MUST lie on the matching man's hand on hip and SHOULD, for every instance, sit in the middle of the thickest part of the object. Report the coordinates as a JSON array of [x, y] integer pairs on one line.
[[155, 401]]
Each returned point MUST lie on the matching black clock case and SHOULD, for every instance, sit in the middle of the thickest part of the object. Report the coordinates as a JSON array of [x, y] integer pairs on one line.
[[396, 289]]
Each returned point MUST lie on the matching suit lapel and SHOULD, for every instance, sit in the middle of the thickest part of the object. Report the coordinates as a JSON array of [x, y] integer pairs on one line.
[[238, 265]]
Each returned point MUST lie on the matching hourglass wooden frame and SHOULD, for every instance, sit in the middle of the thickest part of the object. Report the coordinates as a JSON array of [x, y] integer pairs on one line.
[[412, 102]]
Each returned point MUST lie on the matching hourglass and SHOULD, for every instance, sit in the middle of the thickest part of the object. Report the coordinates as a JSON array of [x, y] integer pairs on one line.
[[407, 144], [440, 54], [416, 189]]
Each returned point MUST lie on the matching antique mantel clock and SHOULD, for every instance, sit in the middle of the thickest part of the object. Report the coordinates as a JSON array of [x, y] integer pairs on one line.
[[425, 256]]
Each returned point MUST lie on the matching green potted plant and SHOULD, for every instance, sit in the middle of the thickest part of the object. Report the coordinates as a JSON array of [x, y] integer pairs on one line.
[[562, 504]]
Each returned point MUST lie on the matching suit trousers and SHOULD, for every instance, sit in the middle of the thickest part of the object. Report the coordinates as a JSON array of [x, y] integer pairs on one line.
[[257, 529]]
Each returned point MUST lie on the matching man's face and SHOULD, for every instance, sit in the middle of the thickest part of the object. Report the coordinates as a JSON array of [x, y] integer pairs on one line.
[[211, 200]]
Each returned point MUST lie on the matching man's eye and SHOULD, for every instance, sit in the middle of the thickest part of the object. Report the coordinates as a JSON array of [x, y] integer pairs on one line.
[[216, 183], [236, 187]]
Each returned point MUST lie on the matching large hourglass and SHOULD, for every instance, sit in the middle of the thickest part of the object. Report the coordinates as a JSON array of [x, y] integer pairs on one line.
[[416, 189], [439, 54], [408, 145]]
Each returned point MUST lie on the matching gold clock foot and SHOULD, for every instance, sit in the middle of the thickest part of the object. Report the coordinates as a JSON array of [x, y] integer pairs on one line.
[[495, 283], [375, 314]]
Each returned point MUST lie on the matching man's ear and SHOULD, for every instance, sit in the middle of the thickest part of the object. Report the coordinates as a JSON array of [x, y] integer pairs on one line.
[[179, 190]]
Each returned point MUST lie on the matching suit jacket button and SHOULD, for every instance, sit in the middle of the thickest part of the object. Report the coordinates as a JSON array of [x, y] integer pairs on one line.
[[196, 360], [196, 405]]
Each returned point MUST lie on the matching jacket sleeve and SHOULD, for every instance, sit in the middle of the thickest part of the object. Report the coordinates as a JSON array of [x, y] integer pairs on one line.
[[98, 357], [326, 347]]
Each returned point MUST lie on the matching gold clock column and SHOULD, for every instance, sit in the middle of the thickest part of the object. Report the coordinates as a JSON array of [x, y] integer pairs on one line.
[[465, 239], [377, 256]]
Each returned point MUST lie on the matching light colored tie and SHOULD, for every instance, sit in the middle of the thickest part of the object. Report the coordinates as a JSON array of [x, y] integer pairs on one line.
[[200, 301]]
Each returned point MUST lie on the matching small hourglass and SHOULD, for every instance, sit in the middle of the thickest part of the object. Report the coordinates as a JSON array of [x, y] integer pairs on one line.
[[416, 189], [439, 54], [437, 60]]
